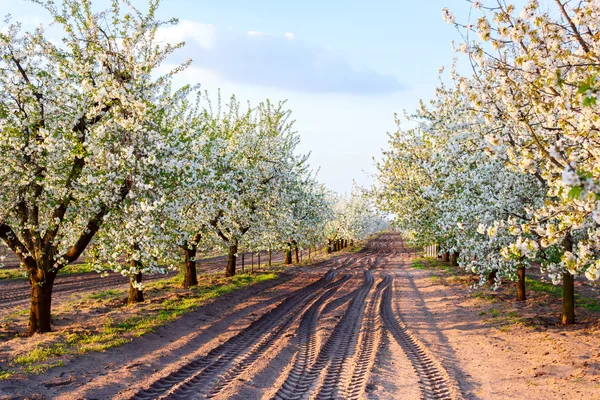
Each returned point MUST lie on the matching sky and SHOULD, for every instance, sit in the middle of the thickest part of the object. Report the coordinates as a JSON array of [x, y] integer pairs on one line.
[[344, 66]]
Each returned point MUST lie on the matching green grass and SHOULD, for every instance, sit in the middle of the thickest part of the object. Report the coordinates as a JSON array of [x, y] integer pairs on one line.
[[76, 269], [557, 291], [13, 273], [432, 263], [483, 296], [107, 294], [19, 273], [113, 334], [418, 264], [40, 354]]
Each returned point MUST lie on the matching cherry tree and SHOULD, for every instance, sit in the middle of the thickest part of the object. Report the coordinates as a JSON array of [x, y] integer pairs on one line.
[[260, 152], [355, 217], [77, 127], [141, 234], [537, 71], [502, 165]]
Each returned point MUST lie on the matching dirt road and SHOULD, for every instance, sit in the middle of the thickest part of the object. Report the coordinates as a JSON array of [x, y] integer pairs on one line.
[[325, 331]]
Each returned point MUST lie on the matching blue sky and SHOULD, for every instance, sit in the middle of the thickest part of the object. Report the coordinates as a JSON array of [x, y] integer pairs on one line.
[[345, 66]]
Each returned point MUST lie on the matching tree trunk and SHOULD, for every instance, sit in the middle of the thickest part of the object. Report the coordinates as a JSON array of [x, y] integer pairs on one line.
[[491, 280], [135, 295], [521, 296], [296, 256], [191, 278], [454, 259], [446, 256], [252, 262], [329, 247], [258, 254], [568, 316], [269, 257], [230, 270], [288, 257], [41, 302]]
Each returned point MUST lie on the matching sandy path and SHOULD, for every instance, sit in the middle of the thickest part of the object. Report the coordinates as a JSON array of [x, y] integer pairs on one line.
[[358, 326], [318, 332]]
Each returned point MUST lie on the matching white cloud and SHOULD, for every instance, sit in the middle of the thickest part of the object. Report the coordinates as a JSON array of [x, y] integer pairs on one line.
[[276, 60], [202, 34]]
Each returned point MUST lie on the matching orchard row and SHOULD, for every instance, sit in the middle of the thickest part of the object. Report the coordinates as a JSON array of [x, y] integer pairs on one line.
[[502, 166], [101, 153]]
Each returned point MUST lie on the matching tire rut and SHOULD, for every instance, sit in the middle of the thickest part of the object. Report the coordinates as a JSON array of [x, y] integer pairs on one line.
[[369, 342], [433, 379], [201, 376], [338, 342]]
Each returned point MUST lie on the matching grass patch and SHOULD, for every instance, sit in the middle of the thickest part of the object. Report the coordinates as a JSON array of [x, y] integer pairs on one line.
[[40, 354], [418, 264], [166, 301], [20, 273], [432, 263], [557, 291], [484, 296], [76, 269], [13, 273], [107, 294]]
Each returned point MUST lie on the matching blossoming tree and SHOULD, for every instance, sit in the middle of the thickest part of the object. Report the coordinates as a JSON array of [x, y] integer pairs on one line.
[[76, 121]]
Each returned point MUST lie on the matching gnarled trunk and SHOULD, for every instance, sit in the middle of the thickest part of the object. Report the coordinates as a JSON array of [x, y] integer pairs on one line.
[[521, 296], [41, 302], [135, 295], [230, 270], [191, 278]]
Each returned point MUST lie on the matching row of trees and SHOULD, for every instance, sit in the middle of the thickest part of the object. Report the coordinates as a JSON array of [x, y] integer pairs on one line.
[[100, 153], [501, 166]]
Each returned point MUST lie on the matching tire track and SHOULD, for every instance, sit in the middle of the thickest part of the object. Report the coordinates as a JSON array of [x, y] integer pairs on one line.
[[254, 355], [369, 342], [433, 379], [307, 335], [336, 345], [353, 318], [201, 374]]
